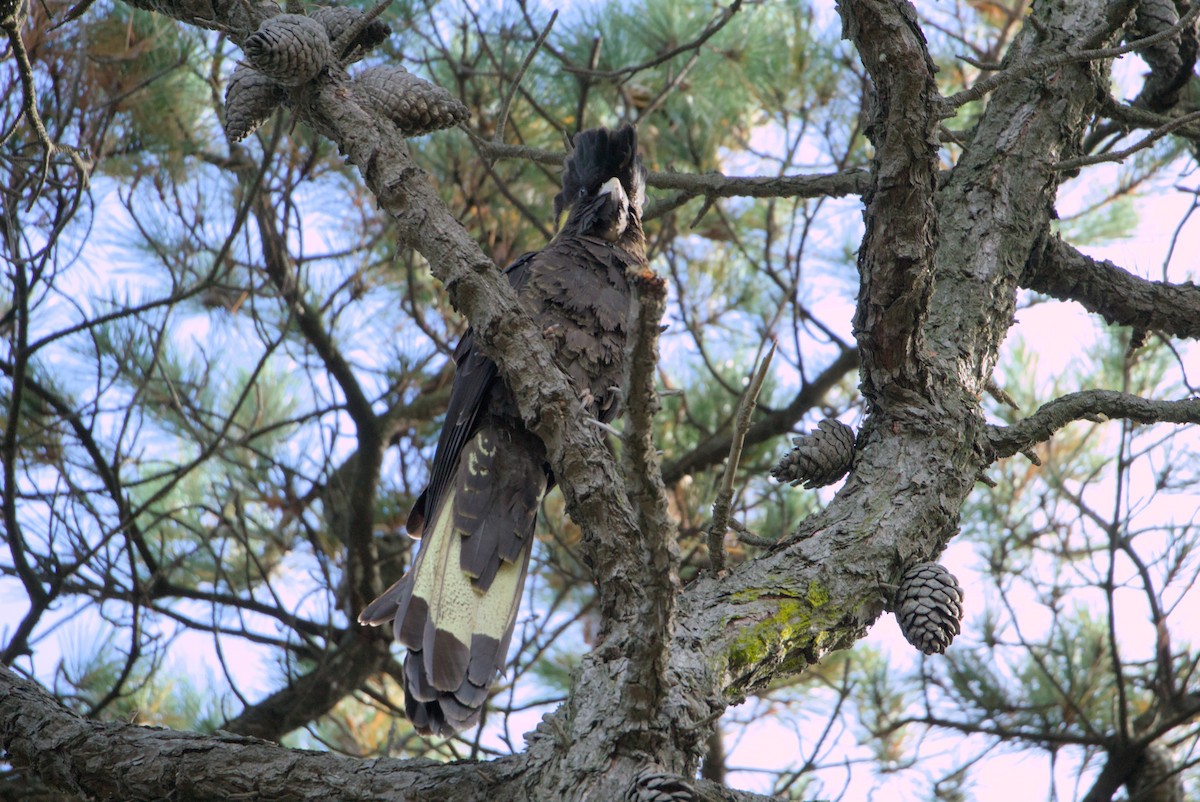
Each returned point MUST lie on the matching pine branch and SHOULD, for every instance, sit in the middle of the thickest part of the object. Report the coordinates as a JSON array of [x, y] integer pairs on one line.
[[1060, 270], [771, 424], [1016, 73], [709, 31], [720, 516], [1123, 154], [1094, 405], [134, 763]]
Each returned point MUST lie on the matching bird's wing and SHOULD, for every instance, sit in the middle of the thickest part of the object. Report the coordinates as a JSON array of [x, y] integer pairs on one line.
[[473, 377]]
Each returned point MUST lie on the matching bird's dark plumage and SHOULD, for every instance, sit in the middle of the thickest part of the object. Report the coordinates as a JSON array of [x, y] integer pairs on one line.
[[455, 609]]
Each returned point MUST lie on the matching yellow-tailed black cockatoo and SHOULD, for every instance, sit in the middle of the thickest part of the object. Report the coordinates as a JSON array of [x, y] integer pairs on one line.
[[455, 609]]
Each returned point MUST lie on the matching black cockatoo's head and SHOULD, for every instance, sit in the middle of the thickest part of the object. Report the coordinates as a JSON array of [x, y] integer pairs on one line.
[[603, 186]]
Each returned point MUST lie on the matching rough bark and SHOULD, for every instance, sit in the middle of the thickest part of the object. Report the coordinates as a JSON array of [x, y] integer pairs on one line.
[[127, 762], [1059, 270], [939, 275]]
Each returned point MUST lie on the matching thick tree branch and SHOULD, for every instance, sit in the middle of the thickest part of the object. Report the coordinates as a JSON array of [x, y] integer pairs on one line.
[[614, 546], [613, 543], [917, 455], [98, 760], [716, 185], [819, 590], [1171, 60], [1059, 270], [1091, 405], [643, 484], [132, 763], [509, 336], [235, 18], [896, 259], [773, 616], [1022, 69]]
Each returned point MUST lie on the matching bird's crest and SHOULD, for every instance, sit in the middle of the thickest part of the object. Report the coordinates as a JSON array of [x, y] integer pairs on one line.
[[599, 155]]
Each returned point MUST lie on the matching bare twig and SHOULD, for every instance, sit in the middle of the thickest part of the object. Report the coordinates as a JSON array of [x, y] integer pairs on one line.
[[1142, 144], [1052, 416], [720, 518], [713, 27], [997, 80], [668, 87], [586, 81], [1000, 394], [39, 598], [744, 535], [502, 120], [49, 147]]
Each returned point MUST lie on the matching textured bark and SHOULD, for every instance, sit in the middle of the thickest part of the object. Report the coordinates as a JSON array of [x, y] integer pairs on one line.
[[1087, 405], [1061, 271], [130, 763], [939, 276], [895, 261]]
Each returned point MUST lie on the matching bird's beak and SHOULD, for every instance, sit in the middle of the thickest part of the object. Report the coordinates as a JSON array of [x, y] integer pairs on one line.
[[612, 187]]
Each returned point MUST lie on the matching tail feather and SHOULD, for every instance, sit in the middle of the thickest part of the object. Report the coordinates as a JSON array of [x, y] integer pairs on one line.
[[410, 620], [385, 608], [456, 608]]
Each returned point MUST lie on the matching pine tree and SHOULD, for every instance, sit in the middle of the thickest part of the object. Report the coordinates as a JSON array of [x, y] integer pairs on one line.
[[240, 247]]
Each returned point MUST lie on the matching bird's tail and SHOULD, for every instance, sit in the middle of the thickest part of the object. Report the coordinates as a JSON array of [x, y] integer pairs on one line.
[[601, 154], [455, 608]]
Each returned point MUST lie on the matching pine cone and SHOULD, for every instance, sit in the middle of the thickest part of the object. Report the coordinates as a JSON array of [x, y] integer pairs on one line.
[[929, 607], [338, 19], [250, 99], [413, 104], [819, 458], [652, 786], [1154, 778], [289, 48]]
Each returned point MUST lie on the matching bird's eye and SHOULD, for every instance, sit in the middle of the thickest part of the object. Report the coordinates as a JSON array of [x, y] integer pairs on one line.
[[582, 191]]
